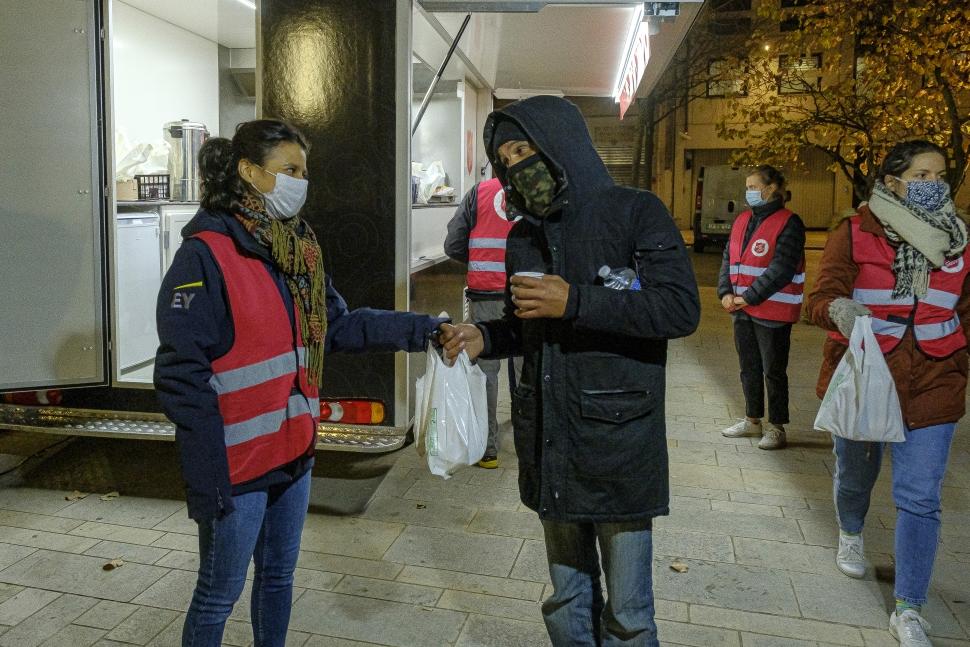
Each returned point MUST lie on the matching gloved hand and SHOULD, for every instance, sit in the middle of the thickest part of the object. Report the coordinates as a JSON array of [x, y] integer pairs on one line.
[[843, 313]]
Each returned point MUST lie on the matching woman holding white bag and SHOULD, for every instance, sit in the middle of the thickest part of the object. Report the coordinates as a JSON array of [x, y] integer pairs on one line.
[[901, 258]]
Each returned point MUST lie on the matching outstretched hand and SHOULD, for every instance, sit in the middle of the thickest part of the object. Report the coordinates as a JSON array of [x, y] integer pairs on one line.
[[463, 337]]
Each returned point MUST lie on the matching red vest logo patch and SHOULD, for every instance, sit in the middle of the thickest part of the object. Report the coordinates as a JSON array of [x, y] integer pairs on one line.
[[953, 267], [760, 247], [499, 205]]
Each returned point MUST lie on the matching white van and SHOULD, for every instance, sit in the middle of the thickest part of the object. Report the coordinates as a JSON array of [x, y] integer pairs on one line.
[[720, 199]]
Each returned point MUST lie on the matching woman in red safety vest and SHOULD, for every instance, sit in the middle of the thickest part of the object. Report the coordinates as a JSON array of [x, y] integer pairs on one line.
[[902, 259], [761, 282], [244, 316]]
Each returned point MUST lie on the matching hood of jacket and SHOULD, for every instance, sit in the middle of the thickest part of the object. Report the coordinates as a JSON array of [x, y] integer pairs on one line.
[[558, 131]]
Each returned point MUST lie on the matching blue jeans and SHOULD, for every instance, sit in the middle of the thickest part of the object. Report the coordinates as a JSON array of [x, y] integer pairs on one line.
[[918, 467], [265, 527], [575, 614]]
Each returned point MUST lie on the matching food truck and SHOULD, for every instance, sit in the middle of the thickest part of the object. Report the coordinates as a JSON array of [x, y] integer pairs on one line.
[[105, 103]]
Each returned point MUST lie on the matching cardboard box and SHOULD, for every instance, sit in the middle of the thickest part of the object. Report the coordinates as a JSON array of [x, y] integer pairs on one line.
[[127, 190]]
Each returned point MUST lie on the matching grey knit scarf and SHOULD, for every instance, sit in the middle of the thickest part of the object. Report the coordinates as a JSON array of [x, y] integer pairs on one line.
[[923, 239]]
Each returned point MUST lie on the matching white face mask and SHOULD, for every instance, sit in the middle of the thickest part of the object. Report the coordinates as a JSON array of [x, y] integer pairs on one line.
[[287, 197]]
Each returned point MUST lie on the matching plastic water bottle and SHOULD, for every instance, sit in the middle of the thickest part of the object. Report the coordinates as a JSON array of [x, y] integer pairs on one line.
[[621, 278]]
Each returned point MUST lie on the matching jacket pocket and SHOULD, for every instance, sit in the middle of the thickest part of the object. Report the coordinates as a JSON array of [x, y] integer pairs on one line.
[[619, 434], [653, 248], [525, 423], [615, 406]]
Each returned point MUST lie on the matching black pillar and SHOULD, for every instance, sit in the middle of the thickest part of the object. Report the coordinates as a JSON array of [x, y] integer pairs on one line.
[[328, 67]]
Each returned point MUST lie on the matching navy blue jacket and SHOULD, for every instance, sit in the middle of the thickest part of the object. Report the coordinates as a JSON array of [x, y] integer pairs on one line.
[[195, 327]]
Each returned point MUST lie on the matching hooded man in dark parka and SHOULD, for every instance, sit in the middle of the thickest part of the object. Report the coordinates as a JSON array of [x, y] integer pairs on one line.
[[588, 413]]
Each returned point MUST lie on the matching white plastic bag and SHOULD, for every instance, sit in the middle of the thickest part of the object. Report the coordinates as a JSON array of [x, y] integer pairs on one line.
[[451, 422], [431, 180], [861, 402]]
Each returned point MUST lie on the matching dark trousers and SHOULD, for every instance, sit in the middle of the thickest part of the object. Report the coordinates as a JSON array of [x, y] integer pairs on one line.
[[489, 310], [763, 355]]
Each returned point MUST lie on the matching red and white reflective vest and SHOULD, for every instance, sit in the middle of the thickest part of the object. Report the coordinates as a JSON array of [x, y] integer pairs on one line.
[[486, 241], [269, 408], [748, 264], [933, 319]]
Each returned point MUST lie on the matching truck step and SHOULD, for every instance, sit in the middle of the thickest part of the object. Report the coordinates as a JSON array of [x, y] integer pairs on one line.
[[154, 426]]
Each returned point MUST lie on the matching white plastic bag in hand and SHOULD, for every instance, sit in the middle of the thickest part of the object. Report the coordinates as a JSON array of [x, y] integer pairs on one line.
[[861, 402], [451, 422]]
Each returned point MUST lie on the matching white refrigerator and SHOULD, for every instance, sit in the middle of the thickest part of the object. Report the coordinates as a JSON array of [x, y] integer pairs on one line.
[[139, 275]]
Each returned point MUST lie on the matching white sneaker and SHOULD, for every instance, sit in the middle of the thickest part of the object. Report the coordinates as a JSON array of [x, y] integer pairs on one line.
[[851, 559], [744, 427], [909, 628], [773, 438]]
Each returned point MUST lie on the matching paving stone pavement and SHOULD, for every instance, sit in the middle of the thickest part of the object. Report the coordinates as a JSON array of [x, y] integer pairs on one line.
[[432, 563]]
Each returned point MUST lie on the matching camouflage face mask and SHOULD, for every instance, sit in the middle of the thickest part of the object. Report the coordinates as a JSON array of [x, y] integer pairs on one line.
[[534, 181]]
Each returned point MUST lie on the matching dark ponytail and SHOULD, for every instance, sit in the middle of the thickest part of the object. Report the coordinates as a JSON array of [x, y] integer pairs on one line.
[[900, 157], [222, 188], [771, 175]]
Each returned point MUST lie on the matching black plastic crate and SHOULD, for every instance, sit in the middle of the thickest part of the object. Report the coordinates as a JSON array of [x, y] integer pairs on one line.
[[153, 187]]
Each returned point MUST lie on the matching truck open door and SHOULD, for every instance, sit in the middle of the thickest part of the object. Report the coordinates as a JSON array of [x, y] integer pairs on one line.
[[59, 215], [53, 324]]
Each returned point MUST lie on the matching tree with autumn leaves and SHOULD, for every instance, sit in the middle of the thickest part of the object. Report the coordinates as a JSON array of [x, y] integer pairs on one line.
[[851, 79]]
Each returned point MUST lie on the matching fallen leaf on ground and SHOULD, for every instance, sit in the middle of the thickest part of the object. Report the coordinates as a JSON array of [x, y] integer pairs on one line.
[[113, 564], [679, 566], [109, 496], [75, 496]]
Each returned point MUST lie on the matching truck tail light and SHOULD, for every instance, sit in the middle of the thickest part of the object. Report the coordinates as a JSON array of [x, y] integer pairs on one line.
[[33, 398], [352, 412]]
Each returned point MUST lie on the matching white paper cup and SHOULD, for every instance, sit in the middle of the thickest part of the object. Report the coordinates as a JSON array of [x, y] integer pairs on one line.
[[531, 275]]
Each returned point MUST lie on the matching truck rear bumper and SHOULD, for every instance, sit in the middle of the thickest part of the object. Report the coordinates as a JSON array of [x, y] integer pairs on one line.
[[154, 426]]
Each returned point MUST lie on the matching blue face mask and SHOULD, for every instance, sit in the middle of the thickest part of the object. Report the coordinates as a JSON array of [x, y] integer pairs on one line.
[[927, 194], [753, 197]]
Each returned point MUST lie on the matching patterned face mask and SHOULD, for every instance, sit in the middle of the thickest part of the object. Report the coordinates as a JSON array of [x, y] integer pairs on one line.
[[534, 182], [927, 194]]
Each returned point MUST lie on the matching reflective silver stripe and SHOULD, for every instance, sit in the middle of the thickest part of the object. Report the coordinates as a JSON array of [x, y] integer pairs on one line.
[[928, 332], [301, 355], [889, 328], [941, 299], [270, 423], [247, 376], [784, 297], [486, 266], [751, 270], [879, 298], [938, 298], [486, 243], [748, 270]]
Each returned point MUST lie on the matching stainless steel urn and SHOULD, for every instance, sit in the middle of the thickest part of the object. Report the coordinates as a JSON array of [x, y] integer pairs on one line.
[[184, 138]]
